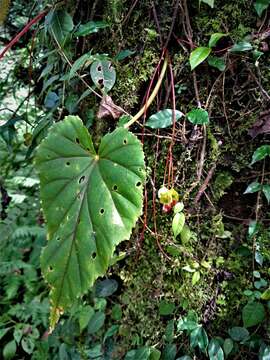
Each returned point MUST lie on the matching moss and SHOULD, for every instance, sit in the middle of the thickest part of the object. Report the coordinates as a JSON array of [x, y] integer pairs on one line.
[[132, 76], [233, 17]]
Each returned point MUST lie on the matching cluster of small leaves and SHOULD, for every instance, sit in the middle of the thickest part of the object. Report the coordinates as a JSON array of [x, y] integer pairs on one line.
[[260, 154]]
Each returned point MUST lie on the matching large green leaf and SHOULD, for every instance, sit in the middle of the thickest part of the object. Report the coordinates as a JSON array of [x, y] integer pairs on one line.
[[91, 201]]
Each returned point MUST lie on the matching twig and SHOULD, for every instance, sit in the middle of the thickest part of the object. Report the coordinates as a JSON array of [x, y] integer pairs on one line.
[[22, 32], [152, 96], [172, 23], [205, 184]]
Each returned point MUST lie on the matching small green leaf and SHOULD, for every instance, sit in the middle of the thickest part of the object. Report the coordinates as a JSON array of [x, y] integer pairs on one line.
[[28, 344], [4, 331], [253, 187], [260, 153], [124, 54], [266, 295], [169, 331], [169, 352], [266, 191], [258, 257], [241, 47], [260, 6], [51, 100], [96, 322], [185, 235], [196, 277], [163, 119], [85, 315], [228, 346], [185, 357], [155, 354], [166, 308], [116, 312], [79, 63], [111, 332], [139, 354], [215, 350], [106, 287], [198, 55], [253, 228], [264, 352], [217, 62], [238, 333], [215, 38], [124, 119], [198, 116], [60, 25], [71, 102], [178, 223], [103, 74], [190, 322], [178, 207], [198, 337], [253, 314], [9, 350], [208, 2], [189, 269], [90, 27]]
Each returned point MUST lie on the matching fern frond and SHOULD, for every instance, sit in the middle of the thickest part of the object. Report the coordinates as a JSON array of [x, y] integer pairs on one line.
[[4, 6], [27, 231]]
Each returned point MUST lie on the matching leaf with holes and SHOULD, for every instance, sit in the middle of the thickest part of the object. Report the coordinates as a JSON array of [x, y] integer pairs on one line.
[[103, 74], [91, 201]]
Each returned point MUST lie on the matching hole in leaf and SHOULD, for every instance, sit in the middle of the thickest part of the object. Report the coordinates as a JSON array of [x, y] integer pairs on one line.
[[101, 211], [88, 149], [77, 140], [99, 68], [50, 269], [58, 238], [115, 187], [67, 163], [100, 81], [94, 255], [110, 66], [125, 142], [138, 184], [81, 179]]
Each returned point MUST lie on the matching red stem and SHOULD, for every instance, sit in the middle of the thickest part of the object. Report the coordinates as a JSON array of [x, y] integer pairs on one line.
[[21, 33]]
